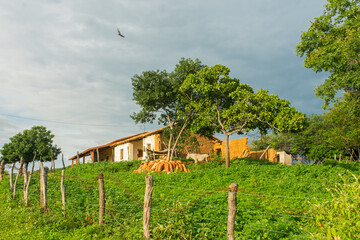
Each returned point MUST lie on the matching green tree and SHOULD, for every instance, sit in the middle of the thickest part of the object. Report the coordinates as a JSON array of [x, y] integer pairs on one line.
[[280, 141], [332, 44], [223, 104], [334, 132], [158, 95], [344, 127], [36, 142]]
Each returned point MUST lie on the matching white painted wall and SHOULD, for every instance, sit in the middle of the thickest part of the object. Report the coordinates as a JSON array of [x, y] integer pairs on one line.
[[126, 149], [284, 158], [148, 140]]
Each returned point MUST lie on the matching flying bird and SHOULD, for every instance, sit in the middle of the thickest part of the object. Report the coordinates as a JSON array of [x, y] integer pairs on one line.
[[120, 34]]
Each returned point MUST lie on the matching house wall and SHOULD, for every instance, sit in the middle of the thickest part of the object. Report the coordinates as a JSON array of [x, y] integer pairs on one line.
[[284, 158], [158, 142], [137, 146], [206, 145], [105, 154], [237, 148], [270, 155], [148, 141], [126, 152]]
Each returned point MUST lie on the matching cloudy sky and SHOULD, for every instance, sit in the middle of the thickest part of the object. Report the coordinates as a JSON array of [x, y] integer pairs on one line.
[[63, 65]]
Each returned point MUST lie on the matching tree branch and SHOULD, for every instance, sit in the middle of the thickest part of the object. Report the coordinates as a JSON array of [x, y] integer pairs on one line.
[[272, 126]]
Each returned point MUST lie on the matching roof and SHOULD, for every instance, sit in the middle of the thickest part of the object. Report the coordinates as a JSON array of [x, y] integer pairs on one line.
[[87, 151], [124, 140], [119, 141]]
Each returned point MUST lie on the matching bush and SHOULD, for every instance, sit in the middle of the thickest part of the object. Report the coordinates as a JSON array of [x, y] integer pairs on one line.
[[340, 217]]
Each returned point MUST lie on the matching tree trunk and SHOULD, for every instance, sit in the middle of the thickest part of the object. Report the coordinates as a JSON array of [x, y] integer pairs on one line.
[[169, 145], [176, 141], [227, 151]]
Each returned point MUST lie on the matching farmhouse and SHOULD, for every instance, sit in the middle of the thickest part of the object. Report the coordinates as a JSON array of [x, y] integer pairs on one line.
[[141, 146], [147, 145]]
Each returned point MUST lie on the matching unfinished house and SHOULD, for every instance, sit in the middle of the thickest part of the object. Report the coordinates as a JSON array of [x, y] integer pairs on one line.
[[284, 158], [140, 146]]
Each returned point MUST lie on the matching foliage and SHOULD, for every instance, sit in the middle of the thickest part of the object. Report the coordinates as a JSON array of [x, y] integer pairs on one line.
[[158, 95], [278, 141], [332, 44], [344, 127], [223, 104], [36, 141], [334, 132], [310, 144], [339, 217], [272, 202]]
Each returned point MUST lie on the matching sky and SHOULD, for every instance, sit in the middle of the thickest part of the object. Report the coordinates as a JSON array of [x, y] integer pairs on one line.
[[63, 65]]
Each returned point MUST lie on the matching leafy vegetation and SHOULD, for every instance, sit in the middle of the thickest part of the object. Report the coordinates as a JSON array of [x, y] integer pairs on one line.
[[332, 133], [35, 142], [274, 202], [158, 95], [332, 44], [223, 104]]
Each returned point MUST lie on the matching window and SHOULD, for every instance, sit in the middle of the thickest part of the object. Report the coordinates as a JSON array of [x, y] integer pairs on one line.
[[148, 146], [218, 152], [140, 153], [121, 154]]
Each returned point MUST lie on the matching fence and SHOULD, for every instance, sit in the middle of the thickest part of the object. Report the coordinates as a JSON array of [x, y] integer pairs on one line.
[[119, 206]]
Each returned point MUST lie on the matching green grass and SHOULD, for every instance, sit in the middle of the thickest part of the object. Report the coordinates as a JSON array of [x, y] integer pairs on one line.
[[274, 202]]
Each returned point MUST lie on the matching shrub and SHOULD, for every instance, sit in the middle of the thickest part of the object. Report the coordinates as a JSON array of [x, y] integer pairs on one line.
[[339, 218]]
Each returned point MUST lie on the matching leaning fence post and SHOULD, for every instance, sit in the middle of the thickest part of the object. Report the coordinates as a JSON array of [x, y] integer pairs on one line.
[[147, 206], [43, 186], [101, 199], [2, 169], [63, 191], [232, 211]]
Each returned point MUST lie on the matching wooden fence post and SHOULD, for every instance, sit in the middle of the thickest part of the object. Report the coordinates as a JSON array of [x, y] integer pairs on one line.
[[11, 176], [43, 186], [26, 191], [2, 165], [101, 199], [63, 191], [25, 180], [17, 177], [77, 158], [147, 205], [232, 211], [62, 158]]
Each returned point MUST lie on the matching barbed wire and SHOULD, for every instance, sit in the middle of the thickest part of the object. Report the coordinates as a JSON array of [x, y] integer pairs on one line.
[[164, 211]]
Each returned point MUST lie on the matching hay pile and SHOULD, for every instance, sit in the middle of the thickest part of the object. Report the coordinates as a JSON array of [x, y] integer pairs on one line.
[[162, 166]]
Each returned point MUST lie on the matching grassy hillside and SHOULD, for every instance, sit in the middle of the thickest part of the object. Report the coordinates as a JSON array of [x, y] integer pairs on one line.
[[274, 202]]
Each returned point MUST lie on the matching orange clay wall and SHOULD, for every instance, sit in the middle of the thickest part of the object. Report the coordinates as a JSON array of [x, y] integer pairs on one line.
[[269, 155], [237, 148], [157, 146]]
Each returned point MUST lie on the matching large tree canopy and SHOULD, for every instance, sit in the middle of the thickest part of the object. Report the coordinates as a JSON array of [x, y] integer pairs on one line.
[[223, 104], [158, 95], [332, 44], [34, 142]]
